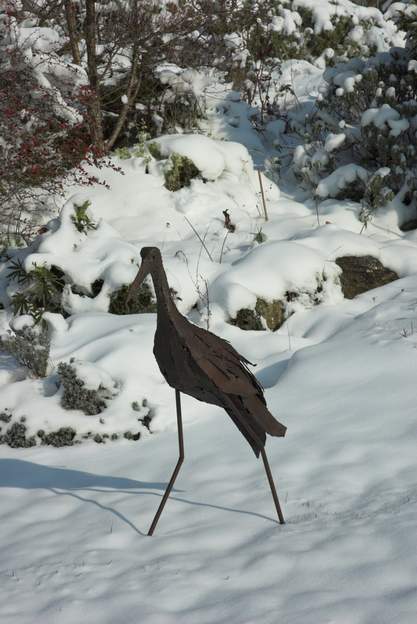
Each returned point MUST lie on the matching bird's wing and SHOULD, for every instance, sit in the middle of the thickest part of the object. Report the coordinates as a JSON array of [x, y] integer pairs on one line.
[[223, 364]]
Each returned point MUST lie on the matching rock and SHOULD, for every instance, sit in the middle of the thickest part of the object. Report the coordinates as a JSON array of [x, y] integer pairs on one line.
[[362, 273], [409, 225], [247, 319], [272, 312]]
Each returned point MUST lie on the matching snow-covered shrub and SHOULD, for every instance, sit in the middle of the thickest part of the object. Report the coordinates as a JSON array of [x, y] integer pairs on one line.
[[361, 139], [15, 435], [83, 388], [60, 272], [141, 300], [30, 346], [404, 14], [377, 194], [179, 101], [262, 35], [44, 142]]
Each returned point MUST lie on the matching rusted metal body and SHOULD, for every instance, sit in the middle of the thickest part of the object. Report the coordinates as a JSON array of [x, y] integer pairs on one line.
[[199, 363]]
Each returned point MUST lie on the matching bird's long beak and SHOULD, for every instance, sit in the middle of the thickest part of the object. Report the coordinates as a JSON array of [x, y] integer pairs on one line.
[[142, 273]]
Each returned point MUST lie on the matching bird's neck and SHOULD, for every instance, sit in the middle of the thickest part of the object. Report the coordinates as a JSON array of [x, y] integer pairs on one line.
[[164, 302]]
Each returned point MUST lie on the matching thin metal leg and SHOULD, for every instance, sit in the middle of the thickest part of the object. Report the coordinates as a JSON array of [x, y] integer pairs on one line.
[[272, 486], [177, 467]]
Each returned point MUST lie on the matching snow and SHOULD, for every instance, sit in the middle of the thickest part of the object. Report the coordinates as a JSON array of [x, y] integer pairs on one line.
[[334, 141], [323, 11], [385, 116], [412, 66], [345, 475], [334, 183], [339, 373], [212, 158], [286, 266]]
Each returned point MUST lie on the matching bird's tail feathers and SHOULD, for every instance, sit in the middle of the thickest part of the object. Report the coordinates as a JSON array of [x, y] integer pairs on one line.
[[264, 417]]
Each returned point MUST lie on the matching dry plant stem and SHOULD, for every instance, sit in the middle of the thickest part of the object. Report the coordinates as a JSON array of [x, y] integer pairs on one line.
[[199, 238], [317, 211], [262, 195], [223, 244]]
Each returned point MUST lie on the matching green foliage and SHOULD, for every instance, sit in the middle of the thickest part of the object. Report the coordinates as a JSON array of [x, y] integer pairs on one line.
[[155, 151], [142, 149], [81, 219], [17, 272], [259, 237], [377, 194], [123, 153], [42, 290], [179, 172], [30, 346]]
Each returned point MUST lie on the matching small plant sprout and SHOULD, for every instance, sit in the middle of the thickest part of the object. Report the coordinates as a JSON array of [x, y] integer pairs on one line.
[[81, 219], [259, 236]]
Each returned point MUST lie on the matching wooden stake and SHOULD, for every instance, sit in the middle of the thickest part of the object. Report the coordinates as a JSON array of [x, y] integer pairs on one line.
[[263, 195]]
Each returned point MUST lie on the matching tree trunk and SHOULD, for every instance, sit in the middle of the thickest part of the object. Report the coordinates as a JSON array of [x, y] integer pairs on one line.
[[132, 91], [70, 16], [96, 117]]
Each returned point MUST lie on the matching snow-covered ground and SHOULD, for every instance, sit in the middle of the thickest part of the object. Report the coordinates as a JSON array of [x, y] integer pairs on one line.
[[340, 375], [74, 521]]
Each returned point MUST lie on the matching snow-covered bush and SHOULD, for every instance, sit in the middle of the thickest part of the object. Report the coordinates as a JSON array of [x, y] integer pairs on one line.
[[360, 140], [83, 388], [44, 124], [30, 346], [15, 435], [141, 300], [59, 272]]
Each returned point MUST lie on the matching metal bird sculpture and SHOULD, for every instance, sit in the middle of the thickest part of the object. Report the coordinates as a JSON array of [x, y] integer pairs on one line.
[[196, 362]]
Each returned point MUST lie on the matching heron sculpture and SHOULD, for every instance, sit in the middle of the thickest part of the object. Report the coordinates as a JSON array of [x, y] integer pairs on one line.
[[196, 362]]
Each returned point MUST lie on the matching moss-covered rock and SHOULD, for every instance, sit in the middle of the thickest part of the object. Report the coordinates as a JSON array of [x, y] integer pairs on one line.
[[271, 313], [362, 273], [408, 226], [247, 319]]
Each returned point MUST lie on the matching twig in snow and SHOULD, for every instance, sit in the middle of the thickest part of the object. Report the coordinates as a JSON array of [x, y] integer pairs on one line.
[[223, 244], [199, 238]]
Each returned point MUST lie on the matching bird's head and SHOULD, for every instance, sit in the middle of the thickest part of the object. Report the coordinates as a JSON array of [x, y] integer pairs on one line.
[[151, 259]]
